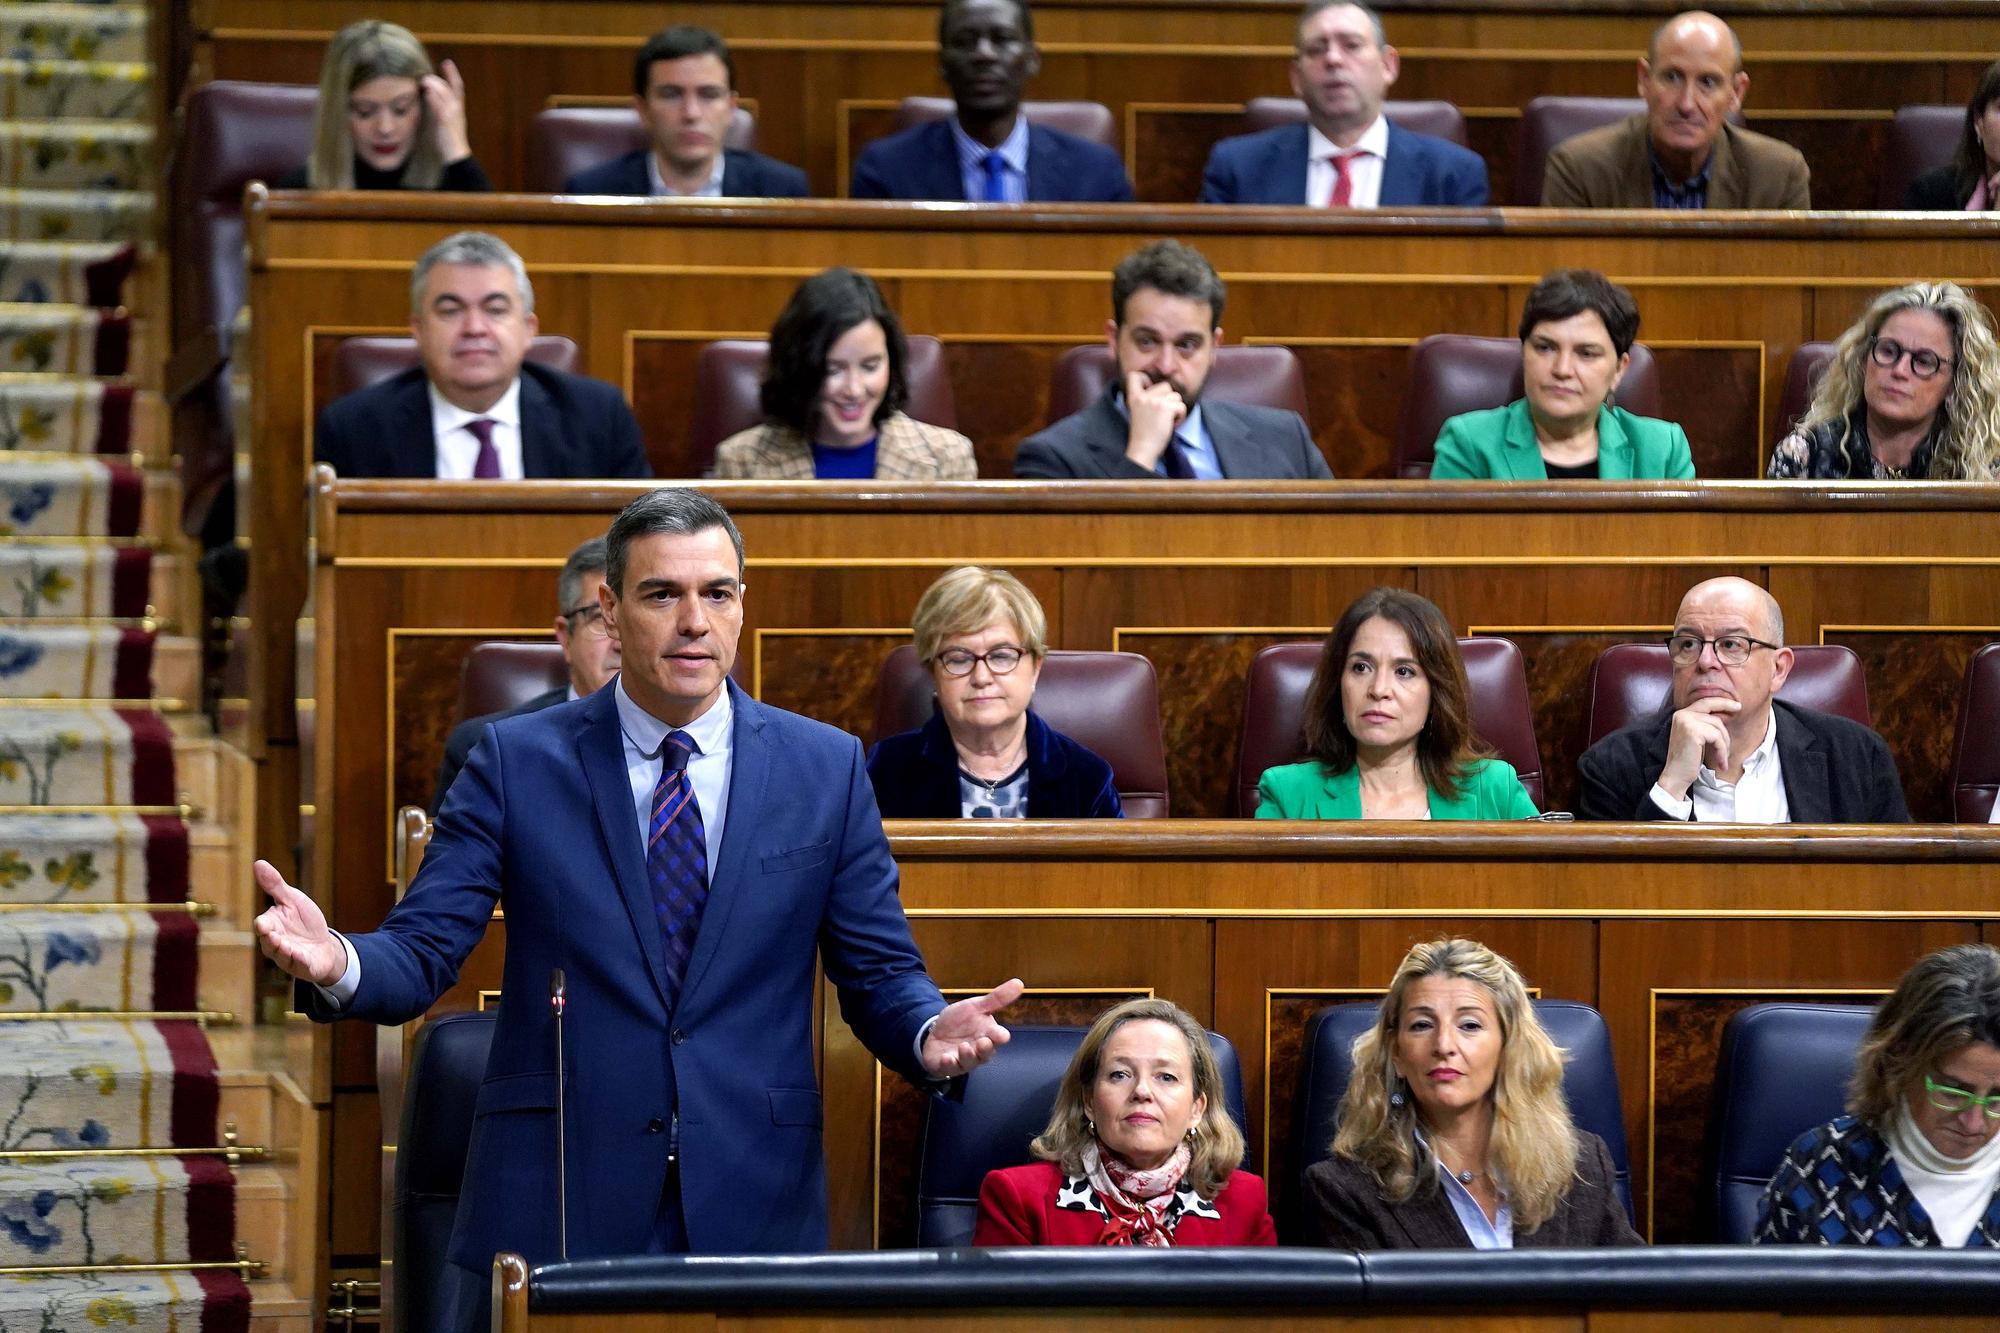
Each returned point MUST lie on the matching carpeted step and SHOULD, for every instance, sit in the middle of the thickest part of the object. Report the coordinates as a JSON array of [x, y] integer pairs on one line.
[[87, 756], [86, 31], [106, 1083], [98, 214], [58, 414], [205, 1302], [74, 154], [57, 662], [87, 273], [111, 1210], [74, 582], [64, 339], [80, 859], [70, 497], [41, 89], [122, 961]]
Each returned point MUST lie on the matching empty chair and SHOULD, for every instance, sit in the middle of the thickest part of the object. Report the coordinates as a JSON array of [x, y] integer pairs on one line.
[[1630, 681], [447, 1066], [502, 674], [1975, 750], [1252, 376], [563, 141], [1439, 119], [1922, 139], [359, 363], [1802, 376], [1085, 120]]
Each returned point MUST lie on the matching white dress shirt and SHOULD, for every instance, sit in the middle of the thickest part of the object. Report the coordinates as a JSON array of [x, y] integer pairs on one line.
[[1758, 797], [458, 448], [1364, 171], [711, 188]]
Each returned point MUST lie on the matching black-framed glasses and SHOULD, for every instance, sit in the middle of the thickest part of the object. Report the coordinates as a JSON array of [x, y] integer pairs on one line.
[[1924, 363], [1730, 649], [586, 619], [1958, 1100], [1000, 661]]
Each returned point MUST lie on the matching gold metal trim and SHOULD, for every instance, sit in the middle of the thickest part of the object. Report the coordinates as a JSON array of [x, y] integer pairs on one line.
[[197, 909], [205, 1017], [488, 997], [248, 1154], [1431, 560], [157, 702], [186, 812], [247, 1267]]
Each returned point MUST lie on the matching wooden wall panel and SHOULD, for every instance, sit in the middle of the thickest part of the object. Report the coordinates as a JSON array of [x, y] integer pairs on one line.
[[1915, 678]]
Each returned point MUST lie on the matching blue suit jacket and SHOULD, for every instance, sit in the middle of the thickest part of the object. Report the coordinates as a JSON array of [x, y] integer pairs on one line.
[[541, 822], [744, 176], [922, 163], [1269, 167]]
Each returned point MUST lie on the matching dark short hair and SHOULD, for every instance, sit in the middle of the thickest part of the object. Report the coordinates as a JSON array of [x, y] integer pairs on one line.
[[678, 43], [671, 509], [1172, 268], [1020, 7], [1571, 291], [822, 309], [585, 559], [1447, 744]]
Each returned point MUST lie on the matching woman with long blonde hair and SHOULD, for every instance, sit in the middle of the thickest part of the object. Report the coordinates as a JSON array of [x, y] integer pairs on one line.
[[386, 119]]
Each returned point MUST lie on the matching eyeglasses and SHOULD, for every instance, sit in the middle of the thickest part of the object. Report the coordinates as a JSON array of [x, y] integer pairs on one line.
[[1730, 649], [587, 619], [1958, 1100], [1000, 661], [1924, 363]]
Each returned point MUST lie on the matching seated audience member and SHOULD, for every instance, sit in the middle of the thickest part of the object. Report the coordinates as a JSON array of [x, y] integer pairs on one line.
[[1724, 749], [1681, 152], [1151, 421], [1389, 725], [684, 84], [833, 396], [1912, 393], [587, 647], [386, 120], [985, 754], [1916, 1161], [1453, 1131], [1971, 183], [1347, 155], [1577, 329], [476, 408], [988, 152], [1140, 1149]]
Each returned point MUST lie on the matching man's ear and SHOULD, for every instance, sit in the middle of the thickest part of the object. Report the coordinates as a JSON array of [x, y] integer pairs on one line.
[[1392, 63], [1645, 74], [534, 323], [1740, 85], [1781, 668], [1111, 337]]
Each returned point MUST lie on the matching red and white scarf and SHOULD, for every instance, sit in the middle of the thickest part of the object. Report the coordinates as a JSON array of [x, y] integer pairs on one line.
[[1135, 1201]]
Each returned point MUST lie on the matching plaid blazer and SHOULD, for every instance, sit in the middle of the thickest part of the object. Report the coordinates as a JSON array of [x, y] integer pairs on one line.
[[905, 450]]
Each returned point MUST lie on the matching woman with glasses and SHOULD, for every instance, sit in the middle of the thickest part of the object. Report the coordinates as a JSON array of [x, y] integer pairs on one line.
[[1912, 393], [985, 754], [1917, 1159]]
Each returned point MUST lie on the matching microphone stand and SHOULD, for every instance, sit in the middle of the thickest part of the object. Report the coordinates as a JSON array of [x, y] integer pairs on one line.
[[557, 1003]]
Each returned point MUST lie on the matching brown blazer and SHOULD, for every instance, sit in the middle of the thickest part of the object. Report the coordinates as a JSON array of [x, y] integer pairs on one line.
[[905, 450], [1608, 168], [1345, 1210]]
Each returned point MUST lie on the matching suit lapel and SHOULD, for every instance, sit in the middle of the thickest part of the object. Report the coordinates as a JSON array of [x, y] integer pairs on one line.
[[601, 746], [939, 154], [734, 167], [541, 432], [1638, 164], [1230, 435], [1046, 166], [750, 768], [1614, 448], [1289, 170], [1106, 434], [1725, 182], [1801, 761], [1522, 456], [413, 423], [1431, 1222], [1400, 177]]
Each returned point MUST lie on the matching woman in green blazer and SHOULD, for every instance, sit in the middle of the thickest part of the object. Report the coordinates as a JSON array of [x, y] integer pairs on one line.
[[1389, 725], [1577, 330]]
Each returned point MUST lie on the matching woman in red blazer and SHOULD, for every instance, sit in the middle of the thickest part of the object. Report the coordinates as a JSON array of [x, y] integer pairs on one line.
[[1139, 1149]]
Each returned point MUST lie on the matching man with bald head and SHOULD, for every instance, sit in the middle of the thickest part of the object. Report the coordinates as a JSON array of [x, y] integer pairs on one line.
[[1723, 749], [1682, 152]]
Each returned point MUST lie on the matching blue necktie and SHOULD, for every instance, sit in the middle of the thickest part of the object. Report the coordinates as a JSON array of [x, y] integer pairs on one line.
[[996, 179], [677, 859], [1175, 460]]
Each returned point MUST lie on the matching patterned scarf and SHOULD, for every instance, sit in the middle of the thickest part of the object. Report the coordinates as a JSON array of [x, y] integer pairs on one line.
[[1135, 1202]]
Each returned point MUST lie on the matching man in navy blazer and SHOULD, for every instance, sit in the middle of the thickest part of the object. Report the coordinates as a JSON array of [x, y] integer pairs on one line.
[[475, 408], [988, 152], [1347, 154], [684, 86], [688, 946]]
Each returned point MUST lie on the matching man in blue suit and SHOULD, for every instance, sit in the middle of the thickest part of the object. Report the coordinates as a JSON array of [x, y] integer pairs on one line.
[[988, 152], [682, 852], [684, 83], [1347, 154]]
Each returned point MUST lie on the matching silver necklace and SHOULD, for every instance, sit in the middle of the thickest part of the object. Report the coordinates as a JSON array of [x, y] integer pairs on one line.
[[1465, 1177]]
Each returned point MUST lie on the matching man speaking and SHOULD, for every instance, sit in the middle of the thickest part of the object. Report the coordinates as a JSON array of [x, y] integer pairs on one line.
[[680, 851]]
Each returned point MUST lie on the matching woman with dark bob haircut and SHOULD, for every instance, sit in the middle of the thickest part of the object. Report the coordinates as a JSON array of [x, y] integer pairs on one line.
[[1916, 1161], [833, 396], [1577, 330], [1971, 183], [1389, 727]]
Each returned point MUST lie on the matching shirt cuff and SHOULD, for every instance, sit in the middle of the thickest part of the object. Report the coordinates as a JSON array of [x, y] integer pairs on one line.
[[341, 992], [1681, 810], [923, 1035]]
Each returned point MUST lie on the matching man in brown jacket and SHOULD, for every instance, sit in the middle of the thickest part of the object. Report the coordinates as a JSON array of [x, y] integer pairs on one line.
[[1682, 153]]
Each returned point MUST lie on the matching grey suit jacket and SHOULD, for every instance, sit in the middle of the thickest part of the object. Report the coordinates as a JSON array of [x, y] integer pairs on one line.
[[1264, 443], [1607, 168]]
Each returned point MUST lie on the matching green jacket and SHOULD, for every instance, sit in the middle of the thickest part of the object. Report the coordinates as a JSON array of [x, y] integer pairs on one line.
[[1498, 444], [1307, 791]]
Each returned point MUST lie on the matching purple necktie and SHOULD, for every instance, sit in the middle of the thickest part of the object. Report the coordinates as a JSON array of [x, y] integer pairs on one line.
[[487, 466], [677, 859]]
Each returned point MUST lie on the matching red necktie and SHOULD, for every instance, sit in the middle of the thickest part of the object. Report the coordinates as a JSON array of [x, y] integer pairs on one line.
[[487, 466], [1342, 194]]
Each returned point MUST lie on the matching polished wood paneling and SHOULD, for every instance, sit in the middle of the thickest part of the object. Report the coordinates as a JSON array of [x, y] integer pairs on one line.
[[1915, 677], [1201, 710], [1559, 671], [830, 675]]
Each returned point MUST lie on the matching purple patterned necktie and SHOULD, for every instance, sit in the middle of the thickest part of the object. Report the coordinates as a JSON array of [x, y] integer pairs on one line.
[[487, 466], [677, 859]]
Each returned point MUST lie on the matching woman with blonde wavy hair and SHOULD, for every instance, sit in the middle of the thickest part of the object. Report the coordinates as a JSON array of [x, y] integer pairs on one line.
[[1912, 393], [1454, 1132], [386, 120]]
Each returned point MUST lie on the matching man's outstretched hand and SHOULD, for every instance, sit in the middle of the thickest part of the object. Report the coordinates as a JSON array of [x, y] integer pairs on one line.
[[964, 1036], [292, 932]]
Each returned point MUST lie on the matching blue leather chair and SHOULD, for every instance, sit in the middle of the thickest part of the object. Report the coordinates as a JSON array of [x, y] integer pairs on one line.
[[1782, 1069], [447, 1063], [1006, 1104]]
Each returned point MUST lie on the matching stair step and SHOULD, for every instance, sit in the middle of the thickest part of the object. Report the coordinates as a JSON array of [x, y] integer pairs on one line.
[[124, 960], [110, 1210], [73, 31], [75, 861], [107, 1083], [77, 582], [92, 214], [63, 415], [74, 154], [88, 273], [135, 1302], [78, 496], [86, 755], [77, 662], [65, 339], [44, 89]]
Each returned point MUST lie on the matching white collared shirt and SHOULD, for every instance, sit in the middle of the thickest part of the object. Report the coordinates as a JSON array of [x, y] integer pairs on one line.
[[458, 448], [656, 180], [709, 771], [1364, 172], [1758, 797]]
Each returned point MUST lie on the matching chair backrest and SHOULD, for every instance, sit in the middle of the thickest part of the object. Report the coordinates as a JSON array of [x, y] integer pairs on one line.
[[360, 363], [1107, 702], [1629, 681], [567, 139], [502, 674], [1085, 120], [1274, 710], [1802, 376], [1546, 122], [1256, 376], [1975, 751], [1921, 139], [1005, 1105], [1452, 373], [447, 1065], [1781, 1070], [1439, 119]]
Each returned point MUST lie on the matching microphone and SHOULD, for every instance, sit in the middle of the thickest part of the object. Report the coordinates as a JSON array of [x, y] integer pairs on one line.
[[558, 1001]]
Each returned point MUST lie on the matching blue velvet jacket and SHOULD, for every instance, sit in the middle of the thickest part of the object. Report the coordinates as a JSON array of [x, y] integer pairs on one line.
[[916, 775], [1840, 1185]]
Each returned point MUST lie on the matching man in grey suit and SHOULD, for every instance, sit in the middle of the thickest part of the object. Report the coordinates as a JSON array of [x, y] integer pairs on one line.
[[1166, 308]]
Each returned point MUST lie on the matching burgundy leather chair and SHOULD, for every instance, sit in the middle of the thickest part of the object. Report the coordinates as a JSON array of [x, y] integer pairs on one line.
[[1085, 120], [1802, 375], [1440, 120], [360, 363], [1629, 681], [1975, 753], [567, 139], [728, 373], [1107, 702], [1921, 139], [1274, 705], [1452, 373], [498, 675], [1258, 376]]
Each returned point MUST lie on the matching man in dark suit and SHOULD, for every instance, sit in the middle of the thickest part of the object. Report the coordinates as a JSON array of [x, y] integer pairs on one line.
[[988, 152], [475, 409], [587, 648], [684, 853], [1151, 420], [684, 84], [1724, 749], [1347, 154]]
